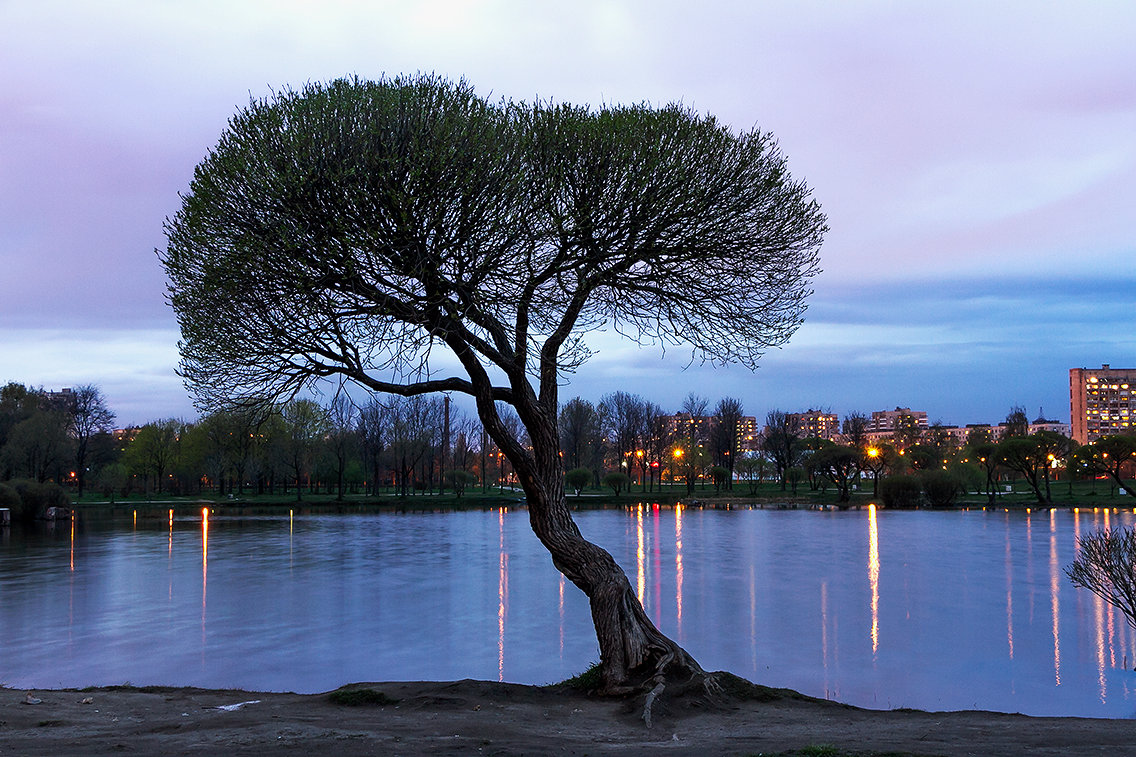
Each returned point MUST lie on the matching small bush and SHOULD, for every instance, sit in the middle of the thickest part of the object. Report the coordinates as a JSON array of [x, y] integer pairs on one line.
[[459, 480], [9, 498], [34, 499], [577, 478], [941, 487], [795, 476], [617, 481], [720, 476], [359, 697], [900, 491]]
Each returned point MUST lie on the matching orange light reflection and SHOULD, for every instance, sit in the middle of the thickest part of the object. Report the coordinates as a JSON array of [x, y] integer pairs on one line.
[[1055, 601], [640, 555]]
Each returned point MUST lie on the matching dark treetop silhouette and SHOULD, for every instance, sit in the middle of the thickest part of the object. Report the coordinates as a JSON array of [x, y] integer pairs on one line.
[[357, 229]]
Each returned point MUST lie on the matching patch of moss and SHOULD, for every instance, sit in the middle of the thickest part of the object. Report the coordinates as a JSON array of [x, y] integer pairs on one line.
[[130, 687], [587, 681], [359, 697]]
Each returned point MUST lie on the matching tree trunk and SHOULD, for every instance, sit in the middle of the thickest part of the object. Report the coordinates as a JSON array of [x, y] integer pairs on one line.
[[634, 654]]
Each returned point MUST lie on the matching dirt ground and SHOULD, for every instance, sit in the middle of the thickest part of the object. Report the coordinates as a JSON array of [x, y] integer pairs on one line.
[[477, 717]]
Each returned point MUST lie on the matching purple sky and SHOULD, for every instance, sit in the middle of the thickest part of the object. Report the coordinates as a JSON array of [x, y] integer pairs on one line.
[[977, 163]]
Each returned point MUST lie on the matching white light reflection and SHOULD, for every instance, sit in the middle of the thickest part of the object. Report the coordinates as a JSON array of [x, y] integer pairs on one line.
[[874, 576], [678, 569], [502, 594], [656, 559], [204, 572], [561, 616], [1009, 594], [753, 616], [170, 557], [1055, 601], [824, 631], [1098, 616]]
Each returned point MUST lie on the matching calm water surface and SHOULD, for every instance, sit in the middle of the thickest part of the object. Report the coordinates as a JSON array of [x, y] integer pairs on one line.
[[931, 610]]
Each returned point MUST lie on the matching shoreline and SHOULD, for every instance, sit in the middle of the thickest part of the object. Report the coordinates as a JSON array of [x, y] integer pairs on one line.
[[480, 717]]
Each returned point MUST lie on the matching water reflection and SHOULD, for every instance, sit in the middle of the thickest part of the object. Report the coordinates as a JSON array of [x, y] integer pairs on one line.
[[1009, 561], [874, 576], [413, 596], [502, 593], [1055, 600], [679, 577], [204, 572], [640, 555], [823, 632], [656, 560]]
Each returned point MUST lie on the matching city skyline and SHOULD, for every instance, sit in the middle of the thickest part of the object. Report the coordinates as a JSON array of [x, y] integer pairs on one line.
[[976, 165]]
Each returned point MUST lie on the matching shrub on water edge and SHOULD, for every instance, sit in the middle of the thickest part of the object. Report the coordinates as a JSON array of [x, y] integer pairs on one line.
[[9, 499], [33, 498], [901, 491]]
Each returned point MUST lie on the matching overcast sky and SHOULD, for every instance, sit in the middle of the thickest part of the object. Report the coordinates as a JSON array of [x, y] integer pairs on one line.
[[976, 160]]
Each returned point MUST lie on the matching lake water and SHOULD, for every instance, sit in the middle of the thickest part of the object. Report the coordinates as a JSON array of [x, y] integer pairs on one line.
[[930, 610]]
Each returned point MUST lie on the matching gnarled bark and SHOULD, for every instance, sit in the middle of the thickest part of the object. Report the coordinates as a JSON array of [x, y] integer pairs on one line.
[[634, 654]]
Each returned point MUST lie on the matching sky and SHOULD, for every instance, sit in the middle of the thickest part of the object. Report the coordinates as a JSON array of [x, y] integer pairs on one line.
[[976, 161]]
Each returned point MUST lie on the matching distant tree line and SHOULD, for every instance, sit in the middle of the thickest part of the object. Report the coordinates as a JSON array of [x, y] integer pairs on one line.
[[404, 446]]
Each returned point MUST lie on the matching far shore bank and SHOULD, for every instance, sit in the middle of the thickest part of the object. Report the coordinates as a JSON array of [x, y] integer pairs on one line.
[[329, 504]]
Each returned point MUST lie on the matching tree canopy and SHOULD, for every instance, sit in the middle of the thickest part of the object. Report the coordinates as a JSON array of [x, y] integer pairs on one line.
[[355, 227], [410, 236]]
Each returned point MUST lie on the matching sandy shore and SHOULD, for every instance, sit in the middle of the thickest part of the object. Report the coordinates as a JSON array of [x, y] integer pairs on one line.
[[477, 717]]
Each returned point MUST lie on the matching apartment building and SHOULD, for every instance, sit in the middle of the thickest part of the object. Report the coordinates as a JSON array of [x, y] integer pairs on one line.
[[1041, 423], [701, 427], [890, 420], [1101, 402], [818, 423]]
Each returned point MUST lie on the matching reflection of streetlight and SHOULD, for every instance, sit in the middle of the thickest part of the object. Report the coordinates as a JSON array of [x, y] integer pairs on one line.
[[677, 454]]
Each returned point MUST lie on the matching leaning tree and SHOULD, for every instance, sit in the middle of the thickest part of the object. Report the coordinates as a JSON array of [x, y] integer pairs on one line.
[[412, 237]]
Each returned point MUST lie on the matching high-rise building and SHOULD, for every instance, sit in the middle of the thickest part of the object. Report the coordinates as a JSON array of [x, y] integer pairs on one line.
[[700, 427], [890, 421], [1101, 402], [818, 423]]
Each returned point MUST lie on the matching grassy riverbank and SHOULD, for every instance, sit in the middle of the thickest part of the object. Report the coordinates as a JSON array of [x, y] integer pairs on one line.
[[1084, 494]]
